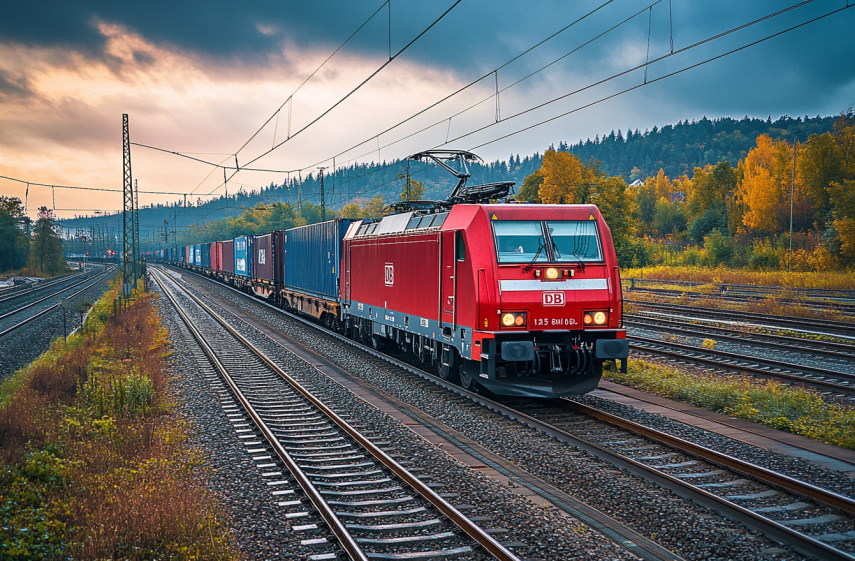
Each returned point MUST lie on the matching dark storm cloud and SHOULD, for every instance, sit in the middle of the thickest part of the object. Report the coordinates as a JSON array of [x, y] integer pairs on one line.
[[214, 28], [477, 36], [12, 87]]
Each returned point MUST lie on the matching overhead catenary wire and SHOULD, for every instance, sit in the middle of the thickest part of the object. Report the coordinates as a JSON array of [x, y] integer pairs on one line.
[[711, 59], [303, 83], [470, 107], [376, 136]]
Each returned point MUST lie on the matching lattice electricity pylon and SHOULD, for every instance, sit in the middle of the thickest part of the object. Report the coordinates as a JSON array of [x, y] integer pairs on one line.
[[136, 228], [128, 238]]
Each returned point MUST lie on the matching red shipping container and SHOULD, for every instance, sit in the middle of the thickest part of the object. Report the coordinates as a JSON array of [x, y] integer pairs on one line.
[[227, 259], [216, 256]]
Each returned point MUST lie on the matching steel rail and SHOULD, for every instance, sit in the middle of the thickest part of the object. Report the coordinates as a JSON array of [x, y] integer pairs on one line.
[[782, 341], [838, 305], [674, 327], [28, 320], [40, 286], [802, 543], [745, 316], [714, 358], [759, 473], [841, 292], [48, 309], [471, 529], [48, 297], [602, 523], [347, 542]]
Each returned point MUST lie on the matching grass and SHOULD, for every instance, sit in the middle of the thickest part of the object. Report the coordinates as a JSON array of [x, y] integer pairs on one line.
[[93, 462], [768, 403], [768, 305], [725, 275]]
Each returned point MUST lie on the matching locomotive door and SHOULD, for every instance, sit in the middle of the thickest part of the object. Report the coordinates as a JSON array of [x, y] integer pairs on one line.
[[448, 281]]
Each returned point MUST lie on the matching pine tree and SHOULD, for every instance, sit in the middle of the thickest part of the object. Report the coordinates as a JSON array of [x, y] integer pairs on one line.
[[46, 251]]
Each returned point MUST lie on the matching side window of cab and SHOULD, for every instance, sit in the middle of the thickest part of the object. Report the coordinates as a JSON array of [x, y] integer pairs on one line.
[[461, 246]]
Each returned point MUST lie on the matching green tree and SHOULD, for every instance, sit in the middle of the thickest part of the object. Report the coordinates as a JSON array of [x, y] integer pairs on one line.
[[618, 205], [531, 188], [46, 251], [416, 190], [669, 217], [647, 205], [12, 239], [719, 247]]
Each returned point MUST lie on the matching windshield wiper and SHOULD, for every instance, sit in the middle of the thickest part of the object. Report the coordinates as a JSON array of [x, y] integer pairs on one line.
[[540, 248]]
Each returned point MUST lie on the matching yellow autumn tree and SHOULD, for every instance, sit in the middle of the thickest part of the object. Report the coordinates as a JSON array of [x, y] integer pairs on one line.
[[563, 175], [764, 188], [662, 185]]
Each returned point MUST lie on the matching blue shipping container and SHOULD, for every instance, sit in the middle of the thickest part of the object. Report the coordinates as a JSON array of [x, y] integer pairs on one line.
[[197, 254], [206, 255], [191, 254], [313, 257], [242, 261]]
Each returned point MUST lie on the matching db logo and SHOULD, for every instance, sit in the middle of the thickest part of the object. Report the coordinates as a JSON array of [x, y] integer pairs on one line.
[[553, 298], [390, 274]]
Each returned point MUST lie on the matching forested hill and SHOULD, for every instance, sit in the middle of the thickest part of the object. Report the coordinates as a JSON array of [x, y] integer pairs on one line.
[[680, 148], [634, 155]]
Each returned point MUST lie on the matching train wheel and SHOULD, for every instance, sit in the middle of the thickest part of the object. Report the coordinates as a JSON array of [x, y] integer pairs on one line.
[[376, 342], [466, 380], [448, 366]]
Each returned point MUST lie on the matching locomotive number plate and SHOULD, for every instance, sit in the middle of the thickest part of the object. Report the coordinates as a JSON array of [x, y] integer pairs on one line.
[[553, 322]]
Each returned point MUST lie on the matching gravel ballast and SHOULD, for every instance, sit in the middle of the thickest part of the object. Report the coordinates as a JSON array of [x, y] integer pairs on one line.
[[675, 523], [536, 532]]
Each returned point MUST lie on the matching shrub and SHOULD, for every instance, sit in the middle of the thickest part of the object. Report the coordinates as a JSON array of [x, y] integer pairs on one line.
[[719, 247]]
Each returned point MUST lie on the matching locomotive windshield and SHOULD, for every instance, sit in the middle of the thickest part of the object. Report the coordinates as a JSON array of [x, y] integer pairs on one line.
[[520, 241], [552, 241], [575, 240]]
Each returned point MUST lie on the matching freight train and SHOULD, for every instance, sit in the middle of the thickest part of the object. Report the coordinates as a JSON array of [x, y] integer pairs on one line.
[[521, 299]]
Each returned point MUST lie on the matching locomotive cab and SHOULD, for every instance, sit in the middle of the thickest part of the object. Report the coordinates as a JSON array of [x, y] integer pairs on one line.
[[547, 309]]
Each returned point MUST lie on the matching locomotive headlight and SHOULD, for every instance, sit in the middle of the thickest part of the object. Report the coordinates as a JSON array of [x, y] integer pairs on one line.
[[552, 273], [595, 318], [519, 321], [508, 320]]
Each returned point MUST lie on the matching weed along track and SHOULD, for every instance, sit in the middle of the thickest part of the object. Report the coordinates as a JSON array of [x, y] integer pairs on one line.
[[343, 489]]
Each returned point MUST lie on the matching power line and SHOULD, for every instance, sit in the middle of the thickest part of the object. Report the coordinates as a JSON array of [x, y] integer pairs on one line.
[[376, 136], [354, 90], [76, 187], [650, 81], [467, 86], [290, 97]]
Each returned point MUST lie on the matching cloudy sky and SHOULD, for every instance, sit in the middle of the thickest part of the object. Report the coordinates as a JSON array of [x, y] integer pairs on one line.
[[201, 79]]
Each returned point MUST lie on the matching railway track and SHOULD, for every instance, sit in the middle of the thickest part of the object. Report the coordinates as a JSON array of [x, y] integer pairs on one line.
[[10, 293], [818, 378], [7, 302], [759, 498], [341, 486], [843, 306], [780, 323], [9, 323], [756, 291], [827, 349]]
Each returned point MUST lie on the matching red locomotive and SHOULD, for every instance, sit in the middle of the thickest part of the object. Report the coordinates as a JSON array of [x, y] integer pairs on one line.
[[522, 299], [525, 299]]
